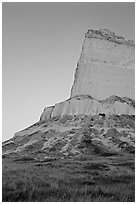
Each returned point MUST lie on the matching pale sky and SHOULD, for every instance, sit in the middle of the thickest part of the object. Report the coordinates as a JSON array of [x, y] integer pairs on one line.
[[41, 44]]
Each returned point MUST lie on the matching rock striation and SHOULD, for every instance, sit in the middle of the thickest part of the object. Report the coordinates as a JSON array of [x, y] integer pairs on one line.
[[86, 105]]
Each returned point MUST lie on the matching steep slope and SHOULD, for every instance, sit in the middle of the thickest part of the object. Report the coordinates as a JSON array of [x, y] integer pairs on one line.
[[74, 136]]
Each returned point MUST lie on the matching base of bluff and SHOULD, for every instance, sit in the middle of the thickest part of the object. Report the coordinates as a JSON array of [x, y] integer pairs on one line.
[[74, 136], [72, 159]]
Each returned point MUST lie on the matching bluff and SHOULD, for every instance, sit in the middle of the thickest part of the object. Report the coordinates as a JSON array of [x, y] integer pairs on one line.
[[104, 80], [82, 149], [99, 116]]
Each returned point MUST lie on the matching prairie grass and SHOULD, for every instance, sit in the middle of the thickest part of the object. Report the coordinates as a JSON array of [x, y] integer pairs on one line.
[[67, 180]]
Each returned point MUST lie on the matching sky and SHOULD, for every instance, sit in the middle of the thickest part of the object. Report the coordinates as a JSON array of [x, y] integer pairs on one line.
[[41, 44]]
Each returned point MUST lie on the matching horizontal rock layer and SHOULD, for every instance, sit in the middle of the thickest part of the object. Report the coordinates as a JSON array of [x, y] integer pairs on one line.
[[86, 105]]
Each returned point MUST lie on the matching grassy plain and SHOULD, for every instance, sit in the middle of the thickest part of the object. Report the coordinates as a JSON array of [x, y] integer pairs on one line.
[[88, 178]]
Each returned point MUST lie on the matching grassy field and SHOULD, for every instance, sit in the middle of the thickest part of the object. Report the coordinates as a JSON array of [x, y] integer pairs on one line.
[[84, 179]]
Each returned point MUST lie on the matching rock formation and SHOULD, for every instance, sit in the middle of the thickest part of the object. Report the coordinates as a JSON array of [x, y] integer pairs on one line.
[[86, 105], [86, 142], [105, 68], [100, 110]]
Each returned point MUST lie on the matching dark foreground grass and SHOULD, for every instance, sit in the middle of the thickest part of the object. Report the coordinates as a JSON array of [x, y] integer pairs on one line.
[[67, 180]]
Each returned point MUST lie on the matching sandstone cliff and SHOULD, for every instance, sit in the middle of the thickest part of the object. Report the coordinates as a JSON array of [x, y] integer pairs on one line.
[[86, 105], [105, 67], [104, 73]]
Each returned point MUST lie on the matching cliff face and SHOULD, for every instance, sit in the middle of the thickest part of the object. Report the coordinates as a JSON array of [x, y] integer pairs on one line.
[[86, 105], [106, 66]]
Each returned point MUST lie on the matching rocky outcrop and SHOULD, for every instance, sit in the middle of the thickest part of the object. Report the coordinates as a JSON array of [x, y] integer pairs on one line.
[[46, 113], [105, 67], [104, 79], [87, 105], [103, 84]]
